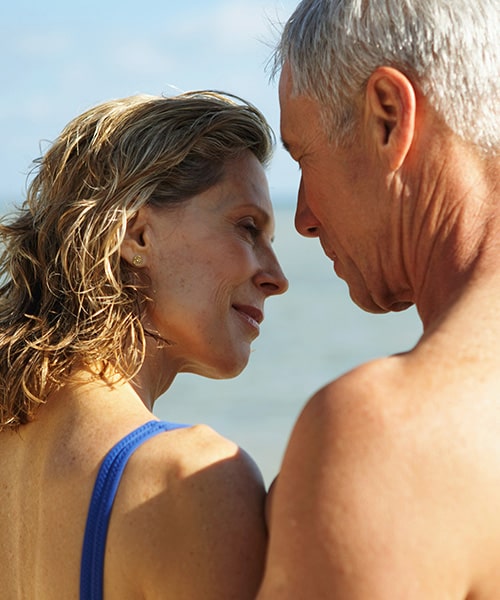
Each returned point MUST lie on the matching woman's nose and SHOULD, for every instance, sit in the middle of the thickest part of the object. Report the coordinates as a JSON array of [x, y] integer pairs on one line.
[[271, 278], [305, 222]]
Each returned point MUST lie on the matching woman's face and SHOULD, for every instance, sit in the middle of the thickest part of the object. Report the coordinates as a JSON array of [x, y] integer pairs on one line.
[[211, 266]]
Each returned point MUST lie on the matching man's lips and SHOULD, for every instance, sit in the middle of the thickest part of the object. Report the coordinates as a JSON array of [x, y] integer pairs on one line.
[[331, 255], [252, 314], [328, 251]]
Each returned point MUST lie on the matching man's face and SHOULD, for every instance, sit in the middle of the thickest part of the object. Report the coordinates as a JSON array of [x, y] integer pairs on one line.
[[340, 198]]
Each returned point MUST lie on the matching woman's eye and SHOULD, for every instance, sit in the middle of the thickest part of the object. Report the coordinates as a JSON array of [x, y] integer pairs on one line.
[[251, 228]]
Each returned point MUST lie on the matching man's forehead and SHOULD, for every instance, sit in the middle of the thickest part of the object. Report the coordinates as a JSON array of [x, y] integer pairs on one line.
[[299, 117], [286, 106], [286, 80]]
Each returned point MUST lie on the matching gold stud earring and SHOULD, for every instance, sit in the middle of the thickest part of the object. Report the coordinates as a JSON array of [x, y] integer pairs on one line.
[[137, 260]]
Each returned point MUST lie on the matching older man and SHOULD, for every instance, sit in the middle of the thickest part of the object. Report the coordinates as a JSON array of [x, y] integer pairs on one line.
[[390, 486]]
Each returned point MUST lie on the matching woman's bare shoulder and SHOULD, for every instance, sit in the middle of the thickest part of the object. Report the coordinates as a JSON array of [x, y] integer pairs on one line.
[[191, 503]]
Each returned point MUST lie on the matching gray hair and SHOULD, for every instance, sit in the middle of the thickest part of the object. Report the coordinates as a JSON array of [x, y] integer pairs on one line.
[[448, 48]]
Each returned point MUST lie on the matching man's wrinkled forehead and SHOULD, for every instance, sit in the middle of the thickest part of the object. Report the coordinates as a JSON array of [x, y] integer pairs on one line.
[[286, 81], [286, 102], [299, 117]]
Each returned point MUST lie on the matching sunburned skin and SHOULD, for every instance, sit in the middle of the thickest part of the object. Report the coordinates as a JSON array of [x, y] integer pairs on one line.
[[388, 487]]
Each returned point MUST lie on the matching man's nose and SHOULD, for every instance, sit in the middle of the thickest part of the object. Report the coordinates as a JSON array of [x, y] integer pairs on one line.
[[305, 221]]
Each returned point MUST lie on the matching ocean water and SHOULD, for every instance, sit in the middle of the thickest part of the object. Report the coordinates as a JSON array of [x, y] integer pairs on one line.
[[310, 335]]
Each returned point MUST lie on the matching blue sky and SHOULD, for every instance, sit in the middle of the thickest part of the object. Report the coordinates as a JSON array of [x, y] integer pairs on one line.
[[57, 58]]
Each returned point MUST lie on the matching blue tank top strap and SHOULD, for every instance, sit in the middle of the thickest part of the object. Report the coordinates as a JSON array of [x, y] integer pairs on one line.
[[101, 503]]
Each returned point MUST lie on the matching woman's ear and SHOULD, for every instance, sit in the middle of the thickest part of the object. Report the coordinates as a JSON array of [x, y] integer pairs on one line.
[[134, 244], [390, 108]]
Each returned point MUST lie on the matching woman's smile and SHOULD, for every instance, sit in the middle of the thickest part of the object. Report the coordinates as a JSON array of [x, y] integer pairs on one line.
[[250, 315]]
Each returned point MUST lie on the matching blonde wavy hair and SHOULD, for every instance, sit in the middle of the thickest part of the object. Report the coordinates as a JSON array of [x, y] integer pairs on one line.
[[66, 297]]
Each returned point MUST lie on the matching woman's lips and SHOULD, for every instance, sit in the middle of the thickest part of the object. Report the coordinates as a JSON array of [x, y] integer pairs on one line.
[[251, 314]]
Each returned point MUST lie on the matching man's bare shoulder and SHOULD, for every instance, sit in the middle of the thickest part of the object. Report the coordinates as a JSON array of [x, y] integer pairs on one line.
[[191, 497], [377, 489], [367, 401]]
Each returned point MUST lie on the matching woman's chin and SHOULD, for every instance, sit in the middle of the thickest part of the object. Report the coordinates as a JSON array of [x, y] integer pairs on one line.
[[231, 371], [228, 369]]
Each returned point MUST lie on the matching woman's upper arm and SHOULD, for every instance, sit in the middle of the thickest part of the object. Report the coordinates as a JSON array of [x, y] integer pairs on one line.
[[227, 535], [210, 535]]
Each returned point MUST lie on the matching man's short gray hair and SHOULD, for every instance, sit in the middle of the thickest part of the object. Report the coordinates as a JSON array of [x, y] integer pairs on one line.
[[448, 48]]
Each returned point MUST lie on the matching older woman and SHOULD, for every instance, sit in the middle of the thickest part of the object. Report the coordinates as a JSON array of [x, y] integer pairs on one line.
[[143, 250]]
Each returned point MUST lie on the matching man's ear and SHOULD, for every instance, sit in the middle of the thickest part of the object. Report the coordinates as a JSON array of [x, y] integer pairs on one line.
[[135, 240], [390, 105]]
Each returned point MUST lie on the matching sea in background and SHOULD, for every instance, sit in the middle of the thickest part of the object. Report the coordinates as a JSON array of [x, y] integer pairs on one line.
[[310, 335]]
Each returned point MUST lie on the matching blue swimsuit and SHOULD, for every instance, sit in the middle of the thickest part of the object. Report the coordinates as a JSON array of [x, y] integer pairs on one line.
[[101, 503]]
